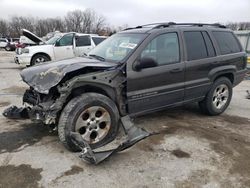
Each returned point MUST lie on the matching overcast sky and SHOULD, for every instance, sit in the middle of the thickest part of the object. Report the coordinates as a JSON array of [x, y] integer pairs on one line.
[[135, 12]]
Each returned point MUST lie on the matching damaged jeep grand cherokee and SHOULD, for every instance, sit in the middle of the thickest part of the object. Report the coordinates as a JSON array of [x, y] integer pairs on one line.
[[134, 72]]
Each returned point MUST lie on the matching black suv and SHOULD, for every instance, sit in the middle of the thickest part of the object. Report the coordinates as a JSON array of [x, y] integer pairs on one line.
[[136, 71]]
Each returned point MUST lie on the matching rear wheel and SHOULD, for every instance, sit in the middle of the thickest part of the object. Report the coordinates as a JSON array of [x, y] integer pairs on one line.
[[37, 59], [93, 115], [218, 98], [7, 48]]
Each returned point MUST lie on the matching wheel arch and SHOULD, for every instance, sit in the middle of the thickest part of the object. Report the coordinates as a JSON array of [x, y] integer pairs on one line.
[[224, 71], [40, 53], [95, 88]]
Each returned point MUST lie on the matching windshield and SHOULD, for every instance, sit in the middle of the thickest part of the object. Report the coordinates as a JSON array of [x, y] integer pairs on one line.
[[53, 40], [117, 47]]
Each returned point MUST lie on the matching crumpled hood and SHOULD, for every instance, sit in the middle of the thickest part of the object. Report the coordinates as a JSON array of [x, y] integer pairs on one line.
[[44, 76]]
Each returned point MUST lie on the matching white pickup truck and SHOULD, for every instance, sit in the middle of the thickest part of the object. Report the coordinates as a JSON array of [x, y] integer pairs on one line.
[[59, 47]]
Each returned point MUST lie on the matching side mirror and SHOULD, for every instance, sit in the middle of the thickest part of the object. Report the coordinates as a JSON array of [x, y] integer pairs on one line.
[[143, 63]]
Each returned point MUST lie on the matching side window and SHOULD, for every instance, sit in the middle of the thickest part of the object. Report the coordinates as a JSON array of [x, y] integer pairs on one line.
[[164, 49], [195, 45], [83, 41], [209, 44], [66, 40], [227, 42]]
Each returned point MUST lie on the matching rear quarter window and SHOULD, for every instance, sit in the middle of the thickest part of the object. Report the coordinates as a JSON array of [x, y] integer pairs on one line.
[[98, 40], [227, 42]]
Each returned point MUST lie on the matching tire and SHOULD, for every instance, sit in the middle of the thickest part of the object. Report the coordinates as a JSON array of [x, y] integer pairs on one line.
[[79, 109], [37, 59], [218, 98], [7, 48]]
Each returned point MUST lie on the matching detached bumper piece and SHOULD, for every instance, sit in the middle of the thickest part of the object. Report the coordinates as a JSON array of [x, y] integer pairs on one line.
[[14, 112], [134, 135]]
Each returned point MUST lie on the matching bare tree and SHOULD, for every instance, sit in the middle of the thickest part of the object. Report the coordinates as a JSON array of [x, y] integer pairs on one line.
[[3, 28], [87, 21], [74, 20], [99, 24], [239, 25], [44, 26]]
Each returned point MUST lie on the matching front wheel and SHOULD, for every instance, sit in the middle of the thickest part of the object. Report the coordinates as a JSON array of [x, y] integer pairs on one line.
[[37, 59], [94, 116], [218, 98]]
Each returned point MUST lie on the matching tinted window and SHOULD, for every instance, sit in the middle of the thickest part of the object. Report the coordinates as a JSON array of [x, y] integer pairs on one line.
[[98, 40], [83, 41], [164, 49], [227, 42], [195, 45], [209, 44], [66, 40]]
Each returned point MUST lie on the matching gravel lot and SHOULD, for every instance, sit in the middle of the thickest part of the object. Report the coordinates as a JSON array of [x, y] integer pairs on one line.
[[193, 150]]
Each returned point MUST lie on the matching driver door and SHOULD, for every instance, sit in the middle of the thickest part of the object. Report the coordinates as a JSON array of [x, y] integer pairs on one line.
[[63, 48], [153, 88]]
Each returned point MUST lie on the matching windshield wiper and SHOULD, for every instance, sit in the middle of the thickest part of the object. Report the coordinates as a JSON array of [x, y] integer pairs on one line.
[[97, 57]]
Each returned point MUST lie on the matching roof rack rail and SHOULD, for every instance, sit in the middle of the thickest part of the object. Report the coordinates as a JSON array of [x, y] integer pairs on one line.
[[196, 24], [168, 24]]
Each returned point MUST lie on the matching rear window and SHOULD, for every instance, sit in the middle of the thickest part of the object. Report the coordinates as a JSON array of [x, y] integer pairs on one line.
[[227, 42], [98, 40], [83, 41]]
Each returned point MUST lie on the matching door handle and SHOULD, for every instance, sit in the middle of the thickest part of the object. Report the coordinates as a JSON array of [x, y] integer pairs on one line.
[[176, 70]]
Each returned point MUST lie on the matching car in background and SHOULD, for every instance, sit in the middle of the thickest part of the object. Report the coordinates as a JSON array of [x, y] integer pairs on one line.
[[12, 44], [9, 44], [3, 42], [57, 48], [244, 38]]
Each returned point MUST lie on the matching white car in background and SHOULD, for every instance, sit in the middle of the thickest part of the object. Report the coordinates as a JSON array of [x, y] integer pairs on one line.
[[3, 42], [57, 48]]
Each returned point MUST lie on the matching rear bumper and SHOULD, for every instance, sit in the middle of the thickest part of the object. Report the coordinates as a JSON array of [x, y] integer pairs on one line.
[[239, 76]]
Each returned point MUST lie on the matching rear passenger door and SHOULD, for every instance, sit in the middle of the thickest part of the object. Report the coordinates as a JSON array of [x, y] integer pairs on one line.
[[200, 56], [83, 45]]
